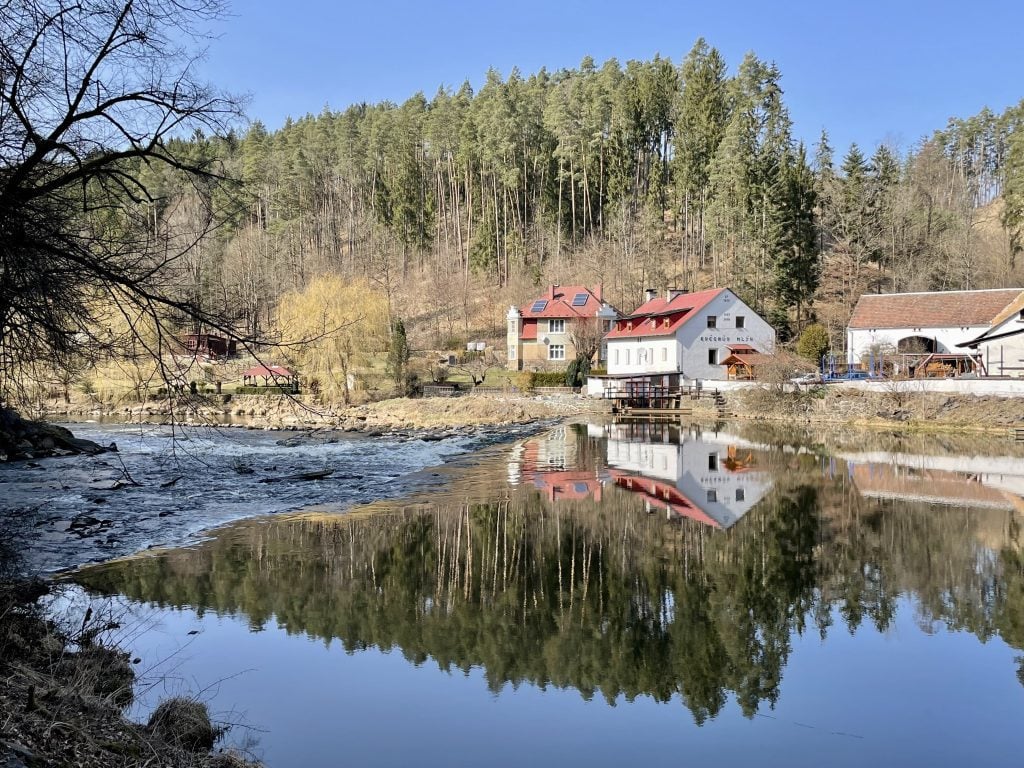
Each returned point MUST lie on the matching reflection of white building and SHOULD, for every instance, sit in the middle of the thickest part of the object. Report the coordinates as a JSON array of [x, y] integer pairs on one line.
[[552, 463], [710, 479], [970, 481]]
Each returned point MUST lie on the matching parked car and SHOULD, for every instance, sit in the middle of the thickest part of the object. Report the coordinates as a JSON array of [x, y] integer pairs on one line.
[[849, 376], [806, 379]]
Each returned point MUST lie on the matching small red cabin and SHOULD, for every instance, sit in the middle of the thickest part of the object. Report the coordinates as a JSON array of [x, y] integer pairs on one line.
[[208, 344]]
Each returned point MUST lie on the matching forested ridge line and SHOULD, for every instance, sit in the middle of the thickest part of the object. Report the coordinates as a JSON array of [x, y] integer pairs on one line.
[[650, 173]]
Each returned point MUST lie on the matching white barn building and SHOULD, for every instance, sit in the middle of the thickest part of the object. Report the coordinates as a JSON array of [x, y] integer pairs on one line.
[[937, 322], [685, 336]]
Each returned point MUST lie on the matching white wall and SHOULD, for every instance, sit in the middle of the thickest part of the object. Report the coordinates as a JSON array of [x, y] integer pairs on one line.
[[697, 339], [997, 387], [656, 354], [859, 342], [1005, 357]]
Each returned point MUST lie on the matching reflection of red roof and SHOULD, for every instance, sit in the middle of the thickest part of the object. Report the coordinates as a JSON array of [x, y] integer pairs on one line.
[[649, 318], [559, 304], [566, 485], [268, 372], [663, 495], [931, 485]]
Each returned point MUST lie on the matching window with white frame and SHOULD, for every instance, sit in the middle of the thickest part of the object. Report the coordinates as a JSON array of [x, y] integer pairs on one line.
[[511, 353], [616, 357], [664, 354], [556, 352], [556, 326]]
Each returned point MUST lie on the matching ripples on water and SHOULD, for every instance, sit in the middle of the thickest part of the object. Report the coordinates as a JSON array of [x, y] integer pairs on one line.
[[163, 487], [606, 593]]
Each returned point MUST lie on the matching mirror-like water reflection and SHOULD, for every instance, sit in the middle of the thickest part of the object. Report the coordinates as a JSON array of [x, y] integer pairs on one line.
[[634, 565]]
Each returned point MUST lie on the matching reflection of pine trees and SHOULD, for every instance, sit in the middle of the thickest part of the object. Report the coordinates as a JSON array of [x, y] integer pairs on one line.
[[605, 599]]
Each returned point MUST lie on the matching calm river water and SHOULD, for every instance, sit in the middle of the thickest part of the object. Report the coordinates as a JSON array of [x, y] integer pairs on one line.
[[606, 594]]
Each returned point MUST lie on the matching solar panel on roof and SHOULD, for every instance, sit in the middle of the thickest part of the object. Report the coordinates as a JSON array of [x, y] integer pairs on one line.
[[539, 306], [580, 299]]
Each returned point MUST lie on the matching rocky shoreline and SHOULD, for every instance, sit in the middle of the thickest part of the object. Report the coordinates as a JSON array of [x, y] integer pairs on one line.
[[22, 439]]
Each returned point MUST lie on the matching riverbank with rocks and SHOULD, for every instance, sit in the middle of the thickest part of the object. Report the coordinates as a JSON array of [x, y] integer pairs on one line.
[[65, 692]]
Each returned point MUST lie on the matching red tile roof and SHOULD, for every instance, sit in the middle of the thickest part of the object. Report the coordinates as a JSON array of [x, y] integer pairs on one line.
[[560, 305], [649, 319], [938, 309], [529, 330], [1010, 310], [664, 495]]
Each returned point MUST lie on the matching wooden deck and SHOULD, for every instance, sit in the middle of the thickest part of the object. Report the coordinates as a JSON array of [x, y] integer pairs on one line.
[[642, 399]]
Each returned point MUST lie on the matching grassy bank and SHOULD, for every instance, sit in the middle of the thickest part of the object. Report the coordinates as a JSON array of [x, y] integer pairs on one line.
[[896, 409]]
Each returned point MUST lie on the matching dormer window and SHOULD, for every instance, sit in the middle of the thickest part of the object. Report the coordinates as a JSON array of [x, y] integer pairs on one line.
[[666, 322]]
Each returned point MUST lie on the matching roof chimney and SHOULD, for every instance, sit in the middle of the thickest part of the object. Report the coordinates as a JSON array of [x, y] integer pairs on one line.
[[551, 291], [674, 293], [599, 291], [649, 294]]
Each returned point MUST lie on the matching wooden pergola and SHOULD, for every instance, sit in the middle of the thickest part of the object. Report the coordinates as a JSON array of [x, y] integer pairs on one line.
[[743, 365], [271, 376]]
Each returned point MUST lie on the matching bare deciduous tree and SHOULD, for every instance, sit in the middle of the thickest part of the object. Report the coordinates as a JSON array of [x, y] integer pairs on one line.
[[93, 94]]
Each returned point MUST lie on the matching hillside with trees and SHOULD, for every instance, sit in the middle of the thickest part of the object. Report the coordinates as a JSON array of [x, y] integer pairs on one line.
[[133, 211], [643, 174]]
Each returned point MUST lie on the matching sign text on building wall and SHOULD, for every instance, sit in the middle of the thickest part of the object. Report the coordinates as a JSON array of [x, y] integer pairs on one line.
[[712, 337]]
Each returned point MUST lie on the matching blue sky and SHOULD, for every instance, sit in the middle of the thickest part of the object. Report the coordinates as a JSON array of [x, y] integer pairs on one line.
[[868, 71]]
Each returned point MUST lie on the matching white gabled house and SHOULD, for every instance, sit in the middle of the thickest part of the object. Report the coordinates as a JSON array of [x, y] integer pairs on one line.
[[684, 335], [1001, 348]]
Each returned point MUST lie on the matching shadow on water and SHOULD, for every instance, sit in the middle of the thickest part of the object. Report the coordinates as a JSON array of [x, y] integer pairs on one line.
[[624, 560]]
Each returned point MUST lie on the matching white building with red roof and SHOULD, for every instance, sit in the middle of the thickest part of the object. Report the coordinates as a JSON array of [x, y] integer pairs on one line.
[[940, 324], [682, 335], [541, 333]]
